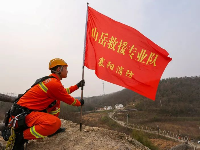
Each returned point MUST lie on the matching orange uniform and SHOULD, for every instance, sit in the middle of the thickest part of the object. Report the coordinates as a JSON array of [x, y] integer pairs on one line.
[[38, 98]]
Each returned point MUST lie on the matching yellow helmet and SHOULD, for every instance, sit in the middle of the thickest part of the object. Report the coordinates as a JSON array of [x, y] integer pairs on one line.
[[55, 62]]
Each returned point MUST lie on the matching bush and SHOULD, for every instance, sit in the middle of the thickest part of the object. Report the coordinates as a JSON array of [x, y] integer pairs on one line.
[[112, 124], [142, 138]]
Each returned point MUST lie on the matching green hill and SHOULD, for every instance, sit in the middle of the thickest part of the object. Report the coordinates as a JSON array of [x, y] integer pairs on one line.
[[175, 97]]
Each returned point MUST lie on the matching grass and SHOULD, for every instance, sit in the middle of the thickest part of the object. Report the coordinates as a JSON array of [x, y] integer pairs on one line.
[[112, 124], [143, 138]]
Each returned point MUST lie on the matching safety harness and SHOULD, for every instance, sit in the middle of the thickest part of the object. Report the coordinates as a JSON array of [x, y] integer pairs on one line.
[[20, 113]]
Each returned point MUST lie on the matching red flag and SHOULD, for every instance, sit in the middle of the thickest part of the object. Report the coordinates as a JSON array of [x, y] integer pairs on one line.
[[122, 55]]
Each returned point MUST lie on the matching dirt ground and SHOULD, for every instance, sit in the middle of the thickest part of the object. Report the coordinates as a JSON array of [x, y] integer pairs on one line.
[[90, 138], [162, 144]]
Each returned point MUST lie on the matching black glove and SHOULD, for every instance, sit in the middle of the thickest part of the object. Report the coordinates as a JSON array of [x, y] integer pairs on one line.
[[81, 101], [81, 83]]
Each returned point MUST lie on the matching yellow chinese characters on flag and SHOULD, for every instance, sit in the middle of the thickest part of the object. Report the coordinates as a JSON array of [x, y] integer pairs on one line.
[[122, 55]]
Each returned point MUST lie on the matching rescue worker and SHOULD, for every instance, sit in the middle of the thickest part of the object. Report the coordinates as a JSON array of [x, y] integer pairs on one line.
[[43, 102]]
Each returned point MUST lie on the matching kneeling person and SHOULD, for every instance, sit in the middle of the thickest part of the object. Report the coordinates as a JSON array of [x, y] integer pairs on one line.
[[43, 102]]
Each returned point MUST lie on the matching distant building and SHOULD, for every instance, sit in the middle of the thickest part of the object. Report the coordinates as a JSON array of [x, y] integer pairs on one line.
[[119, 106], [107, 107]]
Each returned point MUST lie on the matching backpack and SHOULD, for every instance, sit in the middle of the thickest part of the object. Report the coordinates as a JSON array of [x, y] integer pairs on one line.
[[21, 118]]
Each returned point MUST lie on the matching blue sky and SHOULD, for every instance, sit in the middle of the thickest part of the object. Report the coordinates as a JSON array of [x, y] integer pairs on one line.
[[33, 32]]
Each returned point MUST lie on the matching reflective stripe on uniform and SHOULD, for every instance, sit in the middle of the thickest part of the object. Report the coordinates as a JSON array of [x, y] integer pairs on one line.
[[35, 133], [74, 103], [55, 112], [68, 90], [43, 87]]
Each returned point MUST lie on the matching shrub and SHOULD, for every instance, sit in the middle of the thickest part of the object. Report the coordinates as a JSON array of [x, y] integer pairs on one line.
[[112, 124], [142, 138]]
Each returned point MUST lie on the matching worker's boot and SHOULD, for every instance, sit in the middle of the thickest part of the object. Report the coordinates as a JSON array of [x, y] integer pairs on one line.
[[58, 131], [19, 141]]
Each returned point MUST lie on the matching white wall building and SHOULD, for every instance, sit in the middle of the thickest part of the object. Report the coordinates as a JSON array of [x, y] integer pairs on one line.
[[107, 107], [119, 106]]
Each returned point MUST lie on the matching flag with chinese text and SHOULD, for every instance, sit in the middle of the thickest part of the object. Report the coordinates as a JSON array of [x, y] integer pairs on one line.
[[122, 55]]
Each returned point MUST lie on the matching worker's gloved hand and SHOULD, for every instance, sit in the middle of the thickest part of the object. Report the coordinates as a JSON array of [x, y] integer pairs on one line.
[[81, 83], [81, 101]]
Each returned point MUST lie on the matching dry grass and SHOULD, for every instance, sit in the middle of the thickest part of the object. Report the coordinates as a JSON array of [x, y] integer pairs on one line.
[[100, 119], [185, 126]]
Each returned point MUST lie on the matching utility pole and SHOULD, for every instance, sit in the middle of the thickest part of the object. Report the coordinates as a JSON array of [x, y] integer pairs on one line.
[[158, 129], [160, 103], [127, 118], [103, 89]]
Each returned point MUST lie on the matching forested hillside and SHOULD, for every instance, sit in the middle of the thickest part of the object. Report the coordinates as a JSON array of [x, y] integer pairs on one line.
[[175, 97]]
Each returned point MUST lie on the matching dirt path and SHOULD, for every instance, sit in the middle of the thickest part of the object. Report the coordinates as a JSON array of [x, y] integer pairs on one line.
[[91, 138]]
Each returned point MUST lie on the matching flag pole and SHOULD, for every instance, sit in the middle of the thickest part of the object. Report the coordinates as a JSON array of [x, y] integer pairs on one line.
[[83, 64]]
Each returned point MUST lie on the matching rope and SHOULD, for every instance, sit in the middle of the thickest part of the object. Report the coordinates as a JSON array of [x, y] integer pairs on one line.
[[11, 140]]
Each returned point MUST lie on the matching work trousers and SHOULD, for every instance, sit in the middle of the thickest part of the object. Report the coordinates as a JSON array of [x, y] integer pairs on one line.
[[42, 124]]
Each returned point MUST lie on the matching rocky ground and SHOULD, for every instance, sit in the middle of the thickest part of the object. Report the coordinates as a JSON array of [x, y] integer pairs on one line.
[[90, 138]]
